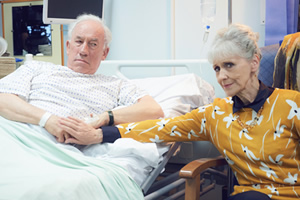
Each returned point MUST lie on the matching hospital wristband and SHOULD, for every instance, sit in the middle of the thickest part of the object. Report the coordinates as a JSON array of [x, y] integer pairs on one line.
[[44, 119], [111, 118]]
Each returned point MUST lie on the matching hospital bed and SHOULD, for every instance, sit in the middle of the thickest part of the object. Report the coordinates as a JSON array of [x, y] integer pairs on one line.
[[178, 85]]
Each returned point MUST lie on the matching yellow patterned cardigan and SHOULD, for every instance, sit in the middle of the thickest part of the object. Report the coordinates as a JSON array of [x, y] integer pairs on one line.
[[265, 158]]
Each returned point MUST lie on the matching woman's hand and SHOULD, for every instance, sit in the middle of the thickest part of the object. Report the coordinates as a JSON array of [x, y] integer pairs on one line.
[[80, 132]]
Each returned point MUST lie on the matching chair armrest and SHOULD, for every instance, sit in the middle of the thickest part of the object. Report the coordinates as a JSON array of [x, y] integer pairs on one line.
[[194, 168], [192, 171]]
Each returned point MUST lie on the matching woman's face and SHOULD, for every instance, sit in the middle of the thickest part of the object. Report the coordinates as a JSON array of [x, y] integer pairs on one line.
[[234, 74]]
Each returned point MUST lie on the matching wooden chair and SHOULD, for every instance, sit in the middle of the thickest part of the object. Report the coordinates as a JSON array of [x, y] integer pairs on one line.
[[194, 174]]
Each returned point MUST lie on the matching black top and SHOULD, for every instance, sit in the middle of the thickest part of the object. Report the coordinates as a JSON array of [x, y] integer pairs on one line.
[[263, 93]]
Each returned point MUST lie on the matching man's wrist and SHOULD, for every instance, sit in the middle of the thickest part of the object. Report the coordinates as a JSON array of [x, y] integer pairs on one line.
[[44, 119], [100, 136], [111, 120]]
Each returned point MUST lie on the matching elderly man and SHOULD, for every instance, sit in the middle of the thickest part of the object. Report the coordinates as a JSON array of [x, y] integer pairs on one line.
[[42, 93]]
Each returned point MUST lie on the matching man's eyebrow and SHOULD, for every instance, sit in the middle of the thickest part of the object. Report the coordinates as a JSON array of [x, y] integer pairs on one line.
[[93, 39]]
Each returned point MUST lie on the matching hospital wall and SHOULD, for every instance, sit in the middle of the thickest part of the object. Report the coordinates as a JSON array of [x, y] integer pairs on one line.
[[170, 29]]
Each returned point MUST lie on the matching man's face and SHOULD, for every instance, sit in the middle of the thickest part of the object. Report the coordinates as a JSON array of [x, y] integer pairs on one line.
[[85, 49]]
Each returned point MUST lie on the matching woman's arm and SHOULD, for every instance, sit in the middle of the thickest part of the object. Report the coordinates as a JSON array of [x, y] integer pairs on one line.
[[182, 128]]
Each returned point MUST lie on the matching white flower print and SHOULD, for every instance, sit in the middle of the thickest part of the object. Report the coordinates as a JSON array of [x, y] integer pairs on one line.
[[245, 133], [273, 189], [147, 130], [279, 130], [229, 100], [256, 186], [268, 170], [192, 133], [202, 108], [162, 123], [129, 127], [249, 154], [216, 110], [173, 132], [272, 109], [295, 111], [229, 119], [156, 139], [249, 167], [291, 179], [277, 160], [230, 162], [119, 126], [202, 128]]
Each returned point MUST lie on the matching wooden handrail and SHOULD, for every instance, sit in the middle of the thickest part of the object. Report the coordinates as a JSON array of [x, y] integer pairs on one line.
[[192, 173], [192, 169]]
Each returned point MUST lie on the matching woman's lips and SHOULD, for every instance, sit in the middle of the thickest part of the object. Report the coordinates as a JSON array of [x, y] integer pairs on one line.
[[227, 85]]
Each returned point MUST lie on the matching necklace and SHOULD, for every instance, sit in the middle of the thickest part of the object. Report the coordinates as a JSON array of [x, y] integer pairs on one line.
[[253, 122]]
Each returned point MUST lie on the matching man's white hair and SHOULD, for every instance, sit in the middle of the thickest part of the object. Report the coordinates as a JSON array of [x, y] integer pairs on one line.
[[85, 17]]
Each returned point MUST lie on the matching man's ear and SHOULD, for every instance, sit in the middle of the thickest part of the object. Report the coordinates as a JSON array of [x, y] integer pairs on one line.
[[105, 53], [67, 46]]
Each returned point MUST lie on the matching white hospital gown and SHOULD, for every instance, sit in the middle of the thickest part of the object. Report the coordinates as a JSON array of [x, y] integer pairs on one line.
[[63, 92]]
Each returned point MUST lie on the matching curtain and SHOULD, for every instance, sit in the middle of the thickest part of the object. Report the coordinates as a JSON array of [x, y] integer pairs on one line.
[[281, 20]]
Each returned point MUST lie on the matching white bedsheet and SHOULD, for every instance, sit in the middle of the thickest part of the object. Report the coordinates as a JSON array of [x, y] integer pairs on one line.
[[137, 158]]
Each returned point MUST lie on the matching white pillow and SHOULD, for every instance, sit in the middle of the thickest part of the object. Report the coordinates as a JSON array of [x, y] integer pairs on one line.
[[178, 94]]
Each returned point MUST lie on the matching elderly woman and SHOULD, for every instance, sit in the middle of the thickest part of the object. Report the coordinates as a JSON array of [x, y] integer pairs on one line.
[[256, 128]]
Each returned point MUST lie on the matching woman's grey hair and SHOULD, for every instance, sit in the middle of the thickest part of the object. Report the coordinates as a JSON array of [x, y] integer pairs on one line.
[[85, 17], [235, 40]]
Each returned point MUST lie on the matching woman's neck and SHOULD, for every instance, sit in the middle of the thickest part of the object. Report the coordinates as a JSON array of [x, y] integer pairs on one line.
[[249, 94]]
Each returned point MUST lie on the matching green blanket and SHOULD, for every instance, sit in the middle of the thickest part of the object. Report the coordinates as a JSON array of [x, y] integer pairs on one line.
[[33, 167]]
